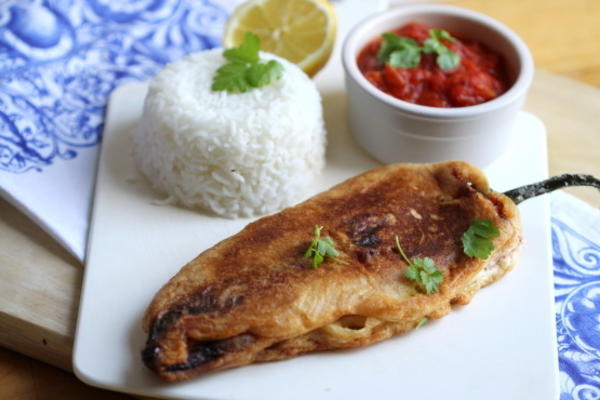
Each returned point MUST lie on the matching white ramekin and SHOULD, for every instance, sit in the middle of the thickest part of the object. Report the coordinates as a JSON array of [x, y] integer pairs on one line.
[[393, 130]]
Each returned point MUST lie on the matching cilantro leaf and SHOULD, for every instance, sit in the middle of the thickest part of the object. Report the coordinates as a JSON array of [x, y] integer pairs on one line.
[[404, 52], [425, 263], [431, 45], [485, 228], [245, 52], [262, 74], [422, 270], [421, 322], [231, 77], [412, 272], [321, 248], [477, 238], [388, 45], [399, 51], [429, 275], [448, 60], [408, 57], [244, 70], [431, 280], [475, 246], [317, 259], [439, 34]]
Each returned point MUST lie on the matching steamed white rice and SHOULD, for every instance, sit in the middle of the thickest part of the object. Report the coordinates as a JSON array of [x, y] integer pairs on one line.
[[234, 154]]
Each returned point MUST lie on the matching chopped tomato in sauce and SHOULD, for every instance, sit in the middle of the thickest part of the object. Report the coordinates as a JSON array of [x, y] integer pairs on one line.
[[479, 77]]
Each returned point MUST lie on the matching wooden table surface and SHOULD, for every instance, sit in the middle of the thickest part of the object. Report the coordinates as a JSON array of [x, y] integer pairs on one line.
[[564, 36]]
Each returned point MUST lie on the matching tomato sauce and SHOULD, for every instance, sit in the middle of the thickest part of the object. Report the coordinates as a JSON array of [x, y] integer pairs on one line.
[[478, 78]]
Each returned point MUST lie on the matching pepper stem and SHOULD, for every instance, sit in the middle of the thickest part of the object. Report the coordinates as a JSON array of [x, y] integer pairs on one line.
[[523, 193]]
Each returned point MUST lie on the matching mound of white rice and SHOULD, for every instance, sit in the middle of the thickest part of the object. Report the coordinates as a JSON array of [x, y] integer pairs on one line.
[[234, 154]]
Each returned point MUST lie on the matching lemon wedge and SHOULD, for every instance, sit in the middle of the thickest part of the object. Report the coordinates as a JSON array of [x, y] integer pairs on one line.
[[302, 31]]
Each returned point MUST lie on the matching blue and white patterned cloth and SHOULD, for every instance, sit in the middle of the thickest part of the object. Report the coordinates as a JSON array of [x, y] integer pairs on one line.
[[576, 258], [60, 59]]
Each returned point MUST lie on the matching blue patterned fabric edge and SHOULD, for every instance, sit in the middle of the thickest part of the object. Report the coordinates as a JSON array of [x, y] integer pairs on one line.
[[577, 298], [60, 59]]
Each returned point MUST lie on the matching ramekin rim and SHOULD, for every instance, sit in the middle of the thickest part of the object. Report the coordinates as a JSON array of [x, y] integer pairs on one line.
[[517, 89]]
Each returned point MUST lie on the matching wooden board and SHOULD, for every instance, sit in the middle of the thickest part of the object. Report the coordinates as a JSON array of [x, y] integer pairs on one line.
[[40, 282], [561, 34], [39, 290], [570, 110]]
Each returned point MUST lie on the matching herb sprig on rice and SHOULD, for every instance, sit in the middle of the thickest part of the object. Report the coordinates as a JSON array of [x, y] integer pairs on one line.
[[245, 71]]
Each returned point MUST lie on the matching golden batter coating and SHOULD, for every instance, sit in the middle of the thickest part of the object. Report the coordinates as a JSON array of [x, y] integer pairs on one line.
[[254, 297]]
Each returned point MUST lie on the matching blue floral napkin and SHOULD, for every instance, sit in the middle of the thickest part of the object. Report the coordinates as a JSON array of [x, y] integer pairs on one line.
[[59, 61], [576, 257]]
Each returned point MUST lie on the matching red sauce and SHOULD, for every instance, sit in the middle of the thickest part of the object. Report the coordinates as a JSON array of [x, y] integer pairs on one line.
[[480, 76]]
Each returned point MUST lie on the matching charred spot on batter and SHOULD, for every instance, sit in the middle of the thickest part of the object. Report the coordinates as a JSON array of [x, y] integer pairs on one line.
[[204, 352], [364, 228], [199, 303], [209, 300], [151, 352], [150, 355]]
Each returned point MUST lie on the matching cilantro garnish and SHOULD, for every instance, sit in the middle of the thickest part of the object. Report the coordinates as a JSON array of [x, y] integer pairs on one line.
[[477, 239], [421, 322], [422, 271], [321, 248], [244, 70], [446, 58], [399, 51], [439, 34], [405, 52]]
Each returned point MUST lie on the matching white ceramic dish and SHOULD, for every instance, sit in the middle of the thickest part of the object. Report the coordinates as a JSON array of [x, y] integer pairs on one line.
[[502, 346], [393, 130]]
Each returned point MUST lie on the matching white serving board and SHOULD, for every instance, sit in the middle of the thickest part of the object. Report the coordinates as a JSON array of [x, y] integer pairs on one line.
[[501, 346]]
